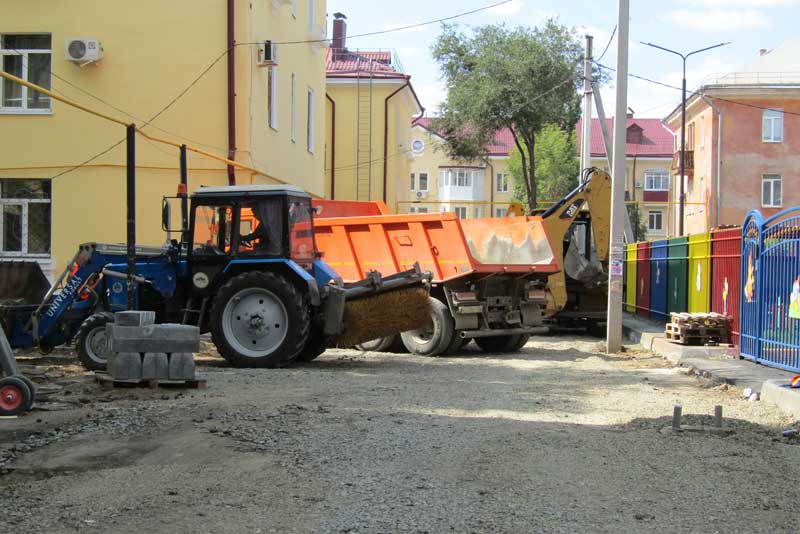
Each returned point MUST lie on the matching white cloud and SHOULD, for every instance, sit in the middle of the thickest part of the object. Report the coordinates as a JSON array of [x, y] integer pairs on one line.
[[740, 3], [712, 20], [408, 52], [431, 95]]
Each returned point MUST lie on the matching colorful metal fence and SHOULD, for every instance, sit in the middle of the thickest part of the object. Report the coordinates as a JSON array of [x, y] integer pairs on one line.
[[658, 280], [726, 266], [677, 274], [643, 279], [770, 306], [630, 278], [699, 297]]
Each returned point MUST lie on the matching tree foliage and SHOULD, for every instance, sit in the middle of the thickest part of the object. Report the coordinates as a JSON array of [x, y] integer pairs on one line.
[[637, 223], [496, 77], [556, 165]]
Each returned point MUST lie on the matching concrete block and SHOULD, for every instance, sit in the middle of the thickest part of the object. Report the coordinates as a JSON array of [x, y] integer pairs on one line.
[[135, 318], [155, 338], [125, 366], [155, 366], [787, 398], [181, 366]]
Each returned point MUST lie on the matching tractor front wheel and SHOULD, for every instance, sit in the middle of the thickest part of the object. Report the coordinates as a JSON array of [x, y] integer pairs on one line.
[[260, 319], [92, 343]]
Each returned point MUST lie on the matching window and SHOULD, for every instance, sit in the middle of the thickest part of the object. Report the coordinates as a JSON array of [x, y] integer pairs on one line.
[[477, 212], [418, 146], [502, 183], [263, 233], [294, 110], [423, 181], [656, 180], [310, 120], [413, 182], [655, 221], [771, 194], [301, 233], [272, 97], [464, 179], [294, 8], [26, 56], [418, 210], [772, 126], [702, 132], [461, 212], [25, 222], [212, 229], [312, 15], [500, 212], [690, 137]]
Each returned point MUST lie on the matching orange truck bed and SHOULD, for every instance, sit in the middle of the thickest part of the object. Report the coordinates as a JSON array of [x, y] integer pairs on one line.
[[441, 243]]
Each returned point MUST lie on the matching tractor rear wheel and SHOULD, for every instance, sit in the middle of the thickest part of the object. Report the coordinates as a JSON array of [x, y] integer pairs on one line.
[[432, 340], [260, 319], [15, 396], [92, 343], [315, 346], [501, 344]]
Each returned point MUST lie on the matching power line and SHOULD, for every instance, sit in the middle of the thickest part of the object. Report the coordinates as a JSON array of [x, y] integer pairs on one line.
[[608, 44]]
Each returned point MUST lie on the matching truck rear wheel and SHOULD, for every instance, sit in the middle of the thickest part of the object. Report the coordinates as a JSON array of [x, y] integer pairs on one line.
[[434, 339], [91, 343], [500, 344], [382, 344], [260, 319]]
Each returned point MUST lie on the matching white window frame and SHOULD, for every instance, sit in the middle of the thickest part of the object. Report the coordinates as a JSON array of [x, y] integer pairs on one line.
[[310, 121], [23, 109], [651, 216], [25, 203], [500, 212], [427, 181], [502, 180], [652, 174], [771, 179], [294, 109], [460, 211], [773, 118]]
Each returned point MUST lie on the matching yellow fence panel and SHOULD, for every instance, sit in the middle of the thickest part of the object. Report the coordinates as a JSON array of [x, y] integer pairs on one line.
[[699, 273], [630, 278]]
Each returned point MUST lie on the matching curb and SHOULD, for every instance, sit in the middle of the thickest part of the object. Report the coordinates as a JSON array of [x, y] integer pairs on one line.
[[778, 392]]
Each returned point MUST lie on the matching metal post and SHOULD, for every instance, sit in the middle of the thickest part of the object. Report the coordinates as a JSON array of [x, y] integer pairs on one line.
[[184, 197], [682, 197], [618, 176], [130, 131], [586, 133]]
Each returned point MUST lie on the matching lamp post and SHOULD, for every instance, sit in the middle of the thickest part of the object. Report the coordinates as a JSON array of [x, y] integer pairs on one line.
[[684, 57]]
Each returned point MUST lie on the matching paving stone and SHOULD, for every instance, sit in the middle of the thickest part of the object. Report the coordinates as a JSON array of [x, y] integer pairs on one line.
[[125, 366], [135, 318], [155, 366], [181, 366], [155, 338]]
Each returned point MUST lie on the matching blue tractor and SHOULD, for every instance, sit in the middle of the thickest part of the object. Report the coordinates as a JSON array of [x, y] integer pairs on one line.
[[246, 269]]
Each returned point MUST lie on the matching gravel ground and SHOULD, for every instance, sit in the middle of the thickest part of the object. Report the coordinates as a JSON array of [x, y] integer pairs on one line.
[[556, 438]]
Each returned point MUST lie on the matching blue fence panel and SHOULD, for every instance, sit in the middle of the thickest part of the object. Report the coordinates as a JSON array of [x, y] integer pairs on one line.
[[748, 303], [658, 280], [770, 301]]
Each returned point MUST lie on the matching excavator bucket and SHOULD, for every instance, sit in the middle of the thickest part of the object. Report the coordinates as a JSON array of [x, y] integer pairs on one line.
[[22, 283]]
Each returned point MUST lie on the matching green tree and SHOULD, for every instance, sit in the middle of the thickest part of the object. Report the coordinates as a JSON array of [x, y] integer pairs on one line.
[[522, 79], [637, 224], [556, 165]]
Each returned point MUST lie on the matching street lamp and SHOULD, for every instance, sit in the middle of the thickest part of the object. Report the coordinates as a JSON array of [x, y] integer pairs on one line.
[[684, 57]]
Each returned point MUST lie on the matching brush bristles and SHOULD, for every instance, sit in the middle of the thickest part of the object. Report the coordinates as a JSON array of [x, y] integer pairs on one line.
[[384, 315]]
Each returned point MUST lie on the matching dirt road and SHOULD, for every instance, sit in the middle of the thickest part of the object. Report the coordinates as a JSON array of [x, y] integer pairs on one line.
[[556, 438]]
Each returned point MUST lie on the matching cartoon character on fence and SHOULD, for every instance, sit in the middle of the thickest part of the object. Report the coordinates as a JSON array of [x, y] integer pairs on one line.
[[794, 300], [725, 296], [750, 284]]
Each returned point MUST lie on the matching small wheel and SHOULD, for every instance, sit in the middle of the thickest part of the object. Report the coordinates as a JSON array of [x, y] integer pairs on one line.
[[15, 396], [382, 344], [501, 343], [260, 319], [315, 346], [32, 387], [435, 339], [92, 343]]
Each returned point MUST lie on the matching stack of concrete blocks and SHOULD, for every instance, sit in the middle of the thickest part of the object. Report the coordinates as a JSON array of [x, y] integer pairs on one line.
[[143, 350]]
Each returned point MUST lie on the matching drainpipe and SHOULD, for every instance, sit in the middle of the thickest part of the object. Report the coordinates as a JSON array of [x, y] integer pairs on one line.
[[333, 146], [491, 187], [231, 92], [718, 192]]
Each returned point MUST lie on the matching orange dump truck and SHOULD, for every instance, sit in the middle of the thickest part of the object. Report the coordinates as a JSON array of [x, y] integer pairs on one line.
[[489, 275]]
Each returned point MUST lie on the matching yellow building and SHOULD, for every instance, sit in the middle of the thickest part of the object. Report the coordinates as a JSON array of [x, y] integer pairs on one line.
[[370, 104], [136, 63], [468, 188]]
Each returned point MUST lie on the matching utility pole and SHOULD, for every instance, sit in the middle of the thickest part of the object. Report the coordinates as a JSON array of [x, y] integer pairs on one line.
[[586, 130], [618, 176]]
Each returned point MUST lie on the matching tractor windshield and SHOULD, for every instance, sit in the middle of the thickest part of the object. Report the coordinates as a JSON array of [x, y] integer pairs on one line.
[[261, 227], [301, 231], [212, 229]]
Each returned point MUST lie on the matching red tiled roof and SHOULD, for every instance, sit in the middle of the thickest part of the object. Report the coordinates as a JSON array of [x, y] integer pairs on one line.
[[501, 145], [656, 141], [352, 64]]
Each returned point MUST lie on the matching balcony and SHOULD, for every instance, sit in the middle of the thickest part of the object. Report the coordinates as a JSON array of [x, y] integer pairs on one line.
[[688, 163]]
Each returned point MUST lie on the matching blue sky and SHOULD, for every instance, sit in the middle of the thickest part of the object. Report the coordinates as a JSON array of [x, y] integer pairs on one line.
[[678, 24]]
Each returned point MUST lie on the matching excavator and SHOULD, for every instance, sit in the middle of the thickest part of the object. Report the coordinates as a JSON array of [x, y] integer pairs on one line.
[[578, 226]]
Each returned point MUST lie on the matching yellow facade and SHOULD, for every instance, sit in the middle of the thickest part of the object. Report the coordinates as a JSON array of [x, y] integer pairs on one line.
[[389, 132], [149, 57], [488, 194]]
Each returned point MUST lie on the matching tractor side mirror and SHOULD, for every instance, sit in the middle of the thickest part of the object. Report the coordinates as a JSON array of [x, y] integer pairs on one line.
[[166, 215]]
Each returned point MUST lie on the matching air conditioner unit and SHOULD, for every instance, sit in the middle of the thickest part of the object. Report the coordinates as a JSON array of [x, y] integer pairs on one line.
[[267, 54], [83, 50], [422, 194]]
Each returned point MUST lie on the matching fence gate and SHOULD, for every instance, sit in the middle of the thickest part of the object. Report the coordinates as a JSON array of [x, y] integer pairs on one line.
[[770, 298]]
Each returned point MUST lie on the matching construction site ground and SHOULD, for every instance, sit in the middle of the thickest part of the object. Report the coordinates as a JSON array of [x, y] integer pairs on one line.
[[556, 438]]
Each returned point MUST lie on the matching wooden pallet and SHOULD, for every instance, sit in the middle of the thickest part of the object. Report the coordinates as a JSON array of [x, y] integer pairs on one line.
[[105, 381], [701, 319]]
